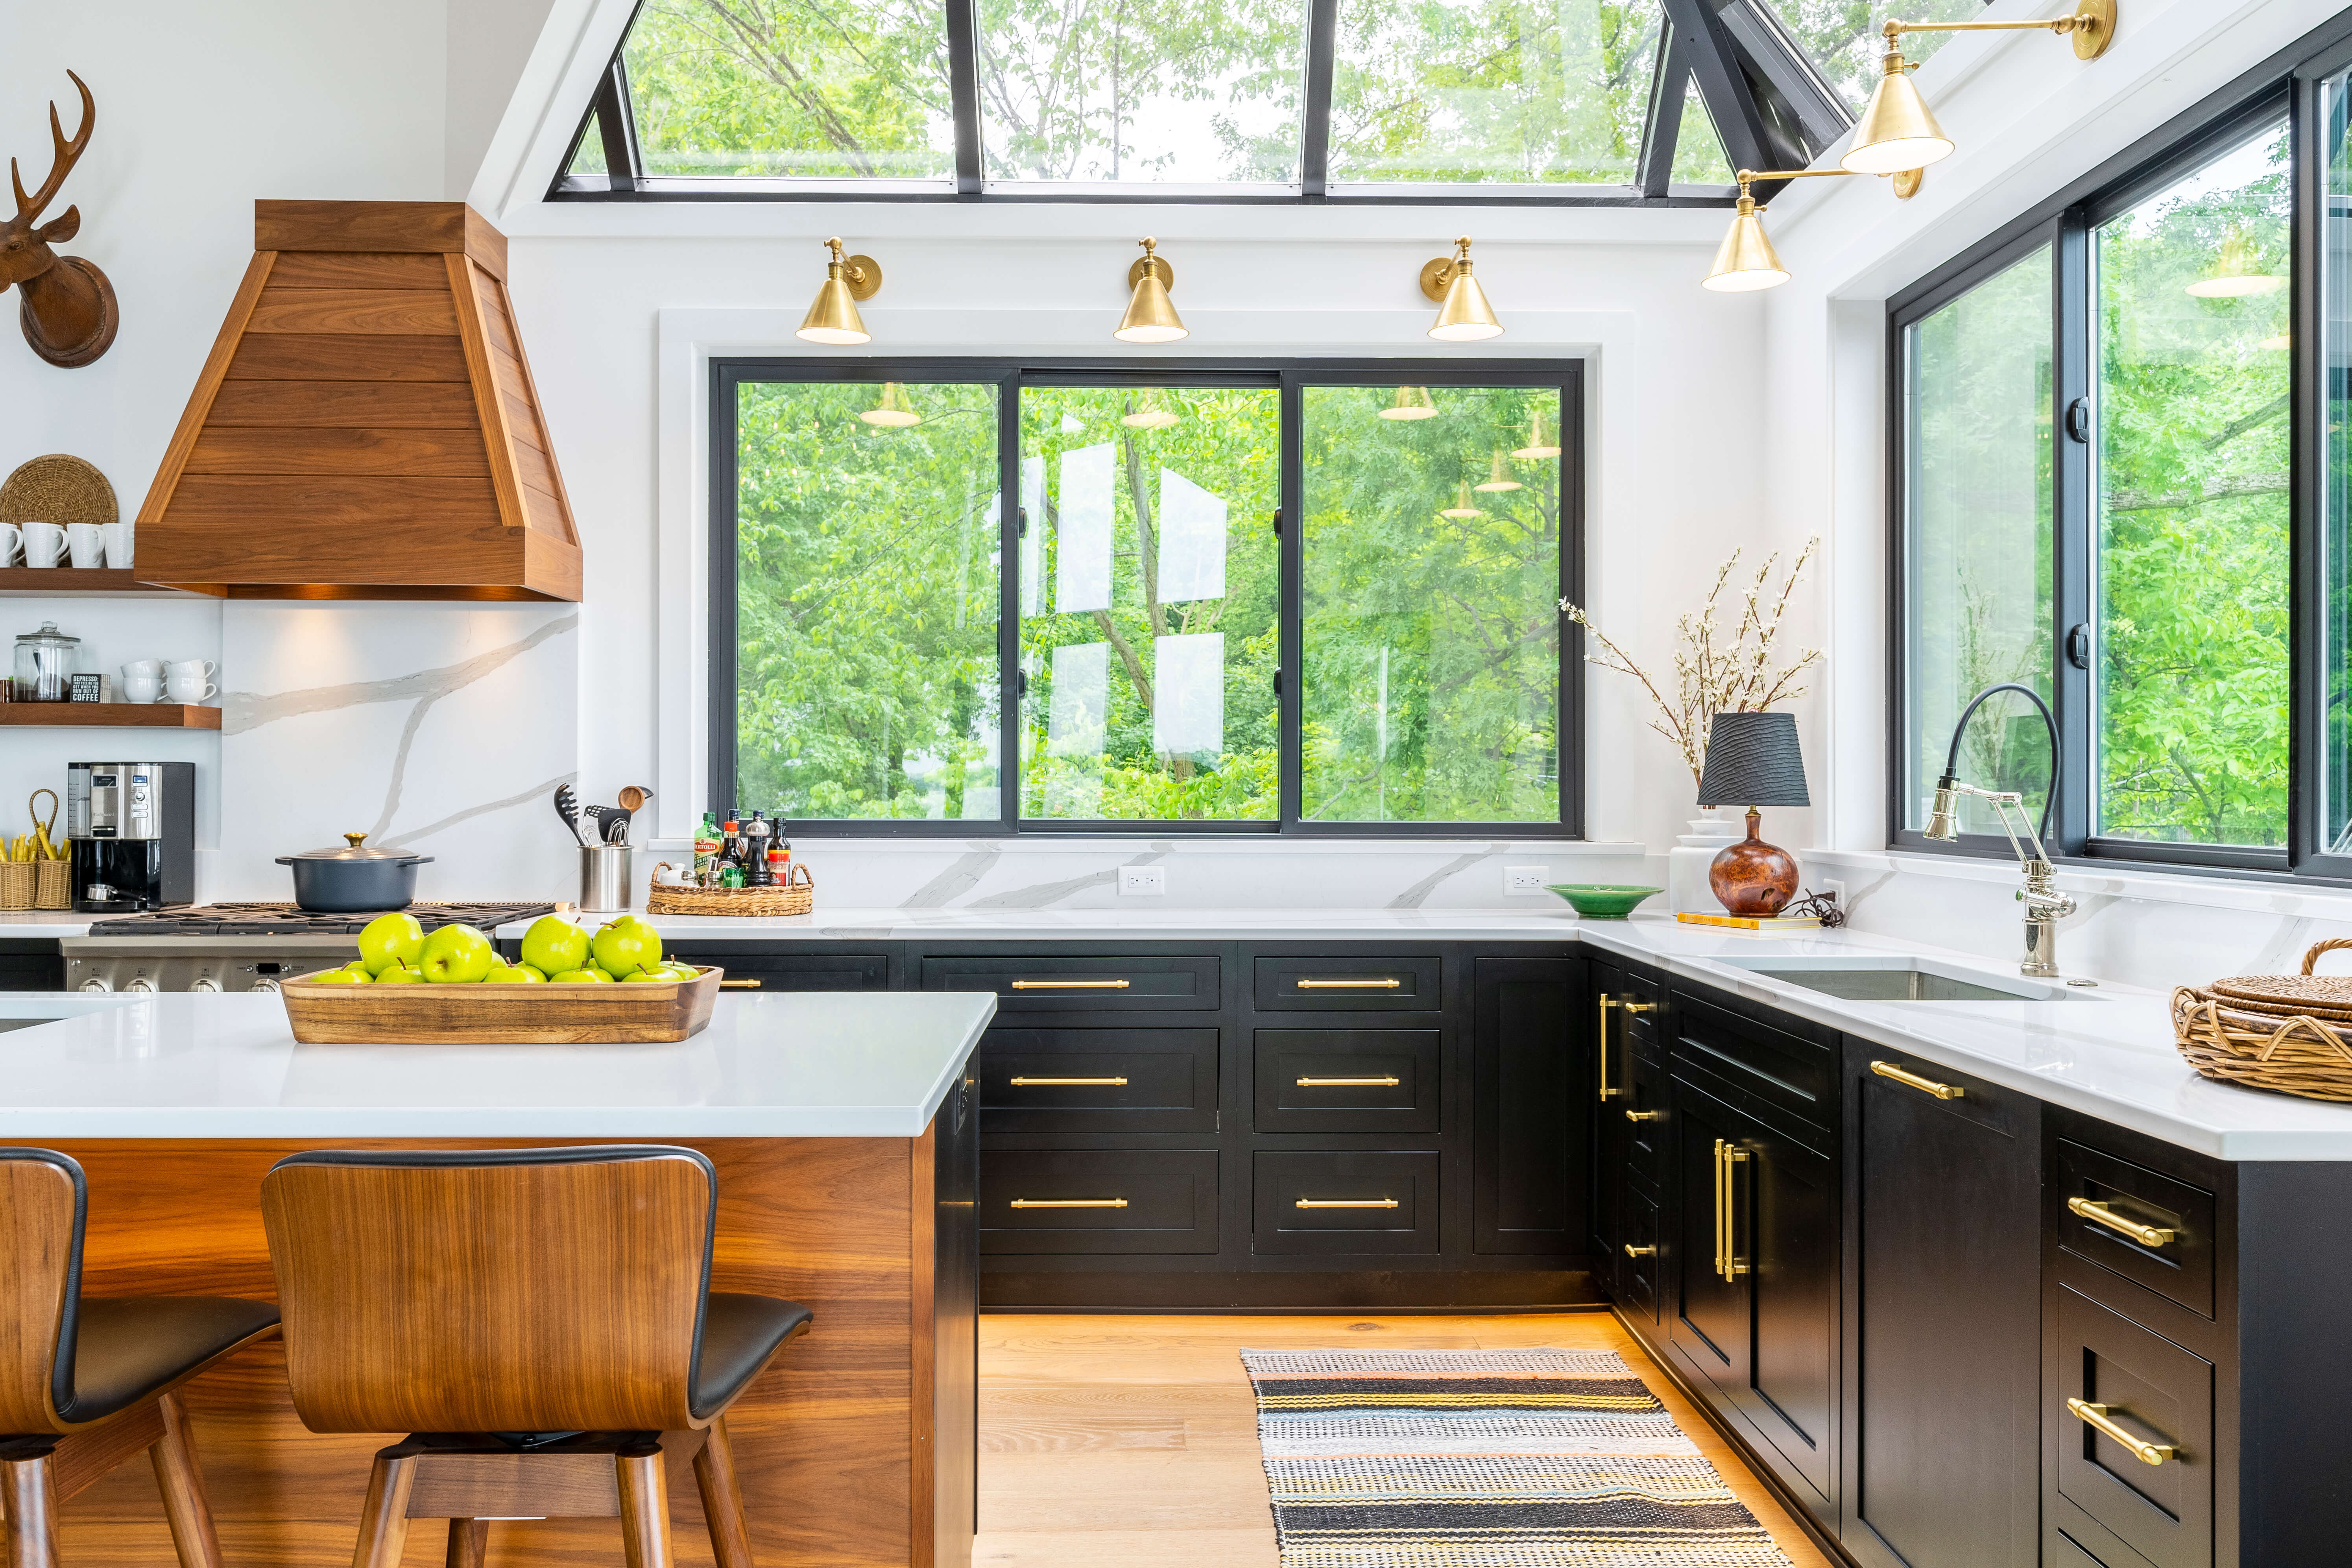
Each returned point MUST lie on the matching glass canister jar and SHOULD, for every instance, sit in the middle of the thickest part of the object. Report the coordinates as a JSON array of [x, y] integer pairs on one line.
[[45, 665]]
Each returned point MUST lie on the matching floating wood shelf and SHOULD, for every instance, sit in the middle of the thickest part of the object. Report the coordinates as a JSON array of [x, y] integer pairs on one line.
[[24, 582], [140, 715]]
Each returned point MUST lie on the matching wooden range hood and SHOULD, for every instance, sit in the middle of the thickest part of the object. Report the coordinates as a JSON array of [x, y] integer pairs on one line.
[[366, 426]]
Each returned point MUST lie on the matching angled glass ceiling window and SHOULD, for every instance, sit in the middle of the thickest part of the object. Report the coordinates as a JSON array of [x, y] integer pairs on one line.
[[799, 88], [1185, 93], [1487, 91], [1841, 38]]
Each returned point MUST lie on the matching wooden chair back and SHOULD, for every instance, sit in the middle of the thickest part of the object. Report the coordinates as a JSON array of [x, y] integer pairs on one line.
[[507, 1290], [43, 1205]]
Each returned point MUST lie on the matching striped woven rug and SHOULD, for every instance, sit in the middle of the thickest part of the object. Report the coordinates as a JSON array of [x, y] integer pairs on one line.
[[1526, 1458]]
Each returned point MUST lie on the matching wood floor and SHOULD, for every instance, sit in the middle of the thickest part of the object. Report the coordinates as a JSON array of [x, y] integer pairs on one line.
[[1118, 1442]]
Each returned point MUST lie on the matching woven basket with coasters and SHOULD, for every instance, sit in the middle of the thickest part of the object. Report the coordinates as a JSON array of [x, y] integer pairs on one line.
[[2291, 1033], [57, 489], [796, 895]]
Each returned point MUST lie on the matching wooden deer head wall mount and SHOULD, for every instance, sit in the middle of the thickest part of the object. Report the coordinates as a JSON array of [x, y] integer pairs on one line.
[[68, 306]]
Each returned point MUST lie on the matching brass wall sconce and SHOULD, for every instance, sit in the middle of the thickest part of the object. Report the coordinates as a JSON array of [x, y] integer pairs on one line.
[[1463, 506], [891, 410], [1150, 315], [1540, 444], [1499, 478], [1462, 314], [1149, 413], [1412, 402], [834, 318], [1896, 132], [1746, 260]]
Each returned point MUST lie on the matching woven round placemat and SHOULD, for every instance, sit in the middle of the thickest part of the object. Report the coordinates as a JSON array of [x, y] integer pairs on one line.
[[2303, 993], [57, 489]]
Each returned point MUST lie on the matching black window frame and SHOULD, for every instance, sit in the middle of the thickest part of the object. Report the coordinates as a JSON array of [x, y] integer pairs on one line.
[[1771, 107], [2284, 85], [1288, 377]]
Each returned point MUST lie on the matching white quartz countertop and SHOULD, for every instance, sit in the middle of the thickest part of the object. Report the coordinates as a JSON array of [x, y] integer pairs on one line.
[[43, 922], [1547, 921], [808, 1065]]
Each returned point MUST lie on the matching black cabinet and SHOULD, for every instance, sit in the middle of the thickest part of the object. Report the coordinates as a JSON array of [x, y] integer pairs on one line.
[[1527, 1145], [1943, 1290], [30, 964], [1620, 1006]]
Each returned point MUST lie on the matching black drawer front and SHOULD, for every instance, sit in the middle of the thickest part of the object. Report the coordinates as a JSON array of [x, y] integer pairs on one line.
[[798, 972], [1768, 1064], [1059, 985], [1099, 1080], [1356, 984], [2069, 1555], [1110, 1201], [1639, 1273], [2116, 1193], [2157, 1392], [1348, 1081], [1644, 1103], [1324, 1202]]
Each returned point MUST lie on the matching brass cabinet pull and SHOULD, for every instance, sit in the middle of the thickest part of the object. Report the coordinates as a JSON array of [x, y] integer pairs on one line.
[[1029, 1083], [1632, 1009], [1347, 1082], [739, 985], [1645, 1116], [1641, 1252], [2095, 1416], [1069, 1203], [1350, 984], [1728, 1158], [1913, 1080], [2100, 1214], [1347, 1202], [1070, 984]]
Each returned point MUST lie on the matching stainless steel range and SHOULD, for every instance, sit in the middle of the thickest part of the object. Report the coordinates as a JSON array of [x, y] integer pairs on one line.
[[239, 947]]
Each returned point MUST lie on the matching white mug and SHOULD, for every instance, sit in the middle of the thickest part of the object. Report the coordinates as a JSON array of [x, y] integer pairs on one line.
[[141, 688], [150, 668], [44, 542], [87, 544], [11, 539], [190, 688], [191, 670], [118, 543]]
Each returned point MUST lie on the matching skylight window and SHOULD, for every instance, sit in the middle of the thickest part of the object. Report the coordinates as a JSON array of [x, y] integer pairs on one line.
[[1842, 39]]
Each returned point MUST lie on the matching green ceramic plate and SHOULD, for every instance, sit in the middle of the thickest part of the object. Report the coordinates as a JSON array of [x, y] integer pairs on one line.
[[1603, 901]]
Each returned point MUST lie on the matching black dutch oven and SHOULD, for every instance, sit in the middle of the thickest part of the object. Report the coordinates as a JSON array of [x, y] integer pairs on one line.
[[354, 879]]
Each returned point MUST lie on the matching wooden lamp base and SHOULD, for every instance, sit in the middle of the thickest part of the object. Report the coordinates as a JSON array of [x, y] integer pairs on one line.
[[1753, 878]]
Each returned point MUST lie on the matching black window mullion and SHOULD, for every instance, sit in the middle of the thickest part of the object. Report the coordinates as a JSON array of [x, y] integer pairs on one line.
[[1315, 126], [1290, 638], [1012, 520], [2073, 524], [963, 92], [725, 508], [1730, 104], [616, 120], [1569, 734], [1662, 129]]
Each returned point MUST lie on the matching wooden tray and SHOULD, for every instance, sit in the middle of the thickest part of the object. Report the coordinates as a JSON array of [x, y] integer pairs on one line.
[[581, 1012]]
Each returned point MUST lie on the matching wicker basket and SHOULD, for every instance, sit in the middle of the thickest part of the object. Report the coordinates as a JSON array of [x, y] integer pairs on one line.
[[794, 896], [2246, 1035], [52, 884], [16, 879]]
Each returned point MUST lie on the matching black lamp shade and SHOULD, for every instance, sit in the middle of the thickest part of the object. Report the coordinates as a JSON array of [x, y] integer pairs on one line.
[[1752, 759]]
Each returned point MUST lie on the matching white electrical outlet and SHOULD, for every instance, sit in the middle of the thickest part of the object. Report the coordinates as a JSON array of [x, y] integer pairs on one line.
[[1835, 890], [1143, 881], [1522, 881]]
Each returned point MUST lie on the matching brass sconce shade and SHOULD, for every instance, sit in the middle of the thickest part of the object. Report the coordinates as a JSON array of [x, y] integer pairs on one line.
[[1461, 506], [1897, 133], [1499, 478], [2235, 278], [1538, 445], [891, 410], [1149, 414], [1412, 402], [1746, 260], [1462, 314], [1150, 315], [834, 318]]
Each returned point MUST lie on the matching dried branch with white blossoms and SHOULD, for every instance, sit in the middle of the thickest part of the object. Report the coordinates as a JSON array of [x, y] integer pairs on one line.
[[1713, 673]]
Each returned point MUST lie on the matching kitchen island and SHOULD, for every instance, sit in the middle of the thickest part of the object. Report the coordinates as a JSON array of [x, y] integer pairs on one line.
[[845, 1138]]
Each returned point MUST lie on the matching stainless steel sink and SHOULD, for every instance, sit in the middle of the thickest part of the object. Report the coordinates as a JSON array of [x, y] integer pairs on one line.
[[1902, 977]]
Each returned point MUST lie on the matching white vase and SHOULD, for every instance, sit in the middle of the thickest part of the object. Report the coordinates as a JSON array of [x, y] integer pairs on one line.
[[1714, 828]]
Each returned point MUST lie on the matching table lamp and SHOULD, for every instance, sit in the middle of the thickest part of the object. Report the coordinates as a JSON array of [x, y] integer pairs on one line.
[[1752, 759]]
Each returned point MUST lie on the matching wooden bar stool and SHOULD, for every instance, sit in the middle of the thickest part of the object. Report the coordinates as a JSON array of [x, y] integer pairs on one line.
[[87, 1383], [540, 1320]]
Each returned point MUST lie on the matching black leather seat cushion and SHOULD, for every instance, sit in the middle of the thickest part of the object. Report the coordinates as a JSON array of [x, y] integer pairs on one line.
[[738, 1334], [131, 1347]]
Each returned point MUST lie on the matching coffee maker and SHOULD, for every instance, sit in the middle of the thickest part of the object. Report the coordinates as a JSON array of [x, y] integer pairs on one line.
[[132, 827]]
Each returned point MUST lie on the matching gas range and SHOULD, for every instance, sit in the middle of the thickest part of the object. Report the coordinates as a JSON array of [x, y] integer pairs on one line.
[[240, 947]]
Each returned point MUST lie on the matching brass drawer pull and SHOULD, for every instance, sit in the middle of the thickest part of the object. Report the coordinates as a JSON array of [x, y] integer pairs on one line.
[[1070, 984], [739, 985], [1728, 1158], [1913, 1080], [1641, 1252], [1029, 1083], [1632, 1009], [1347, 1202], [1347, 1082], [1645, 1116], [1350, 984], [2100, 1214], [1069, 1203], [2095, 1416]]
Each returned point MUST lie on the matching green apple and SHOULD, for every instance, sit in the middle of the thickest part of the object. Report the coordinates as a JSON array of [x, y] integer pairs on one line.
[[389, 939], [400, 975], [510, 974], [352, 975], [455, 955], [553, 945], [528, 971], [578, 977], [682, 971], [602, 973], [627, 946], [649, 978]]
